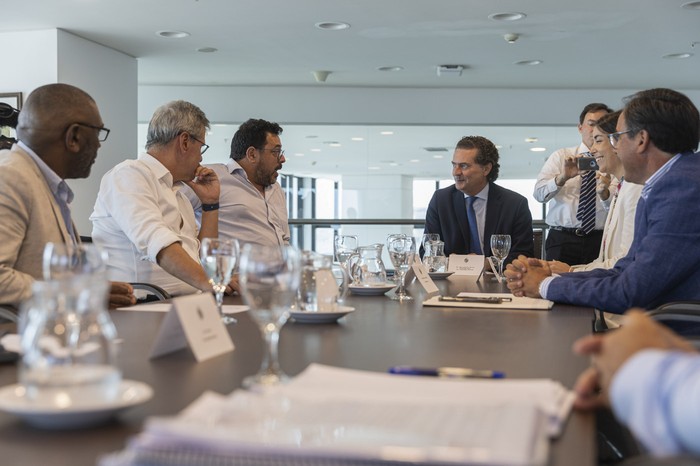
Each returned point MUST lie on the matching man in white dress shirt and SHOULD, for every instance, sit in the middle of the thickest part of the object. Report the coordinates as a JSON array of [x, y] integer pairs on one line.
[[141, 216], [559, 185], [253, 206]]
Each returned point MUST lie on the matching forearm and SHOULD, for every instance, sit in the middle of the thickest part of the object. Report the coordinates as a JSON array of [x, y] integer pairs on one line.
[[175, 260], [210, 225]]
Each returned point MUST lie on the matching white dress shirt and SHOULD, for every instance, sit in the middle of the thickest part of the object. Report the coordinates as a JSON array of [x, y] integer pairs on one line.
[[563, 200], [244, 213], [657, 395], [480, 211], [138, 212]]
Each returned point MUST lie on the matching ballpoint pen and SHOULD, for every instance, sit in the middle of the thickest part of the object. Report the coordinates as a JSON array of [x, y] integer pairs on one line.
[[475, 299], [449, 372]]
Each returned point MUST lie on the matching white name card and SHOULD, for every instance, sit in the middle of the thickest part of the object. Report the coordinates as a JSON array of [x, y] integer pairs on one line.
[[193, 321], [469, 264], [421, 272]]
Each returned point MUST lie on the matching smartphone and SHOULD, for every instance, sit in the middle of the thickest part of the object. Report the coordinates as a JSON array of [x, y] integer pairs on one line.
[[587, 164]]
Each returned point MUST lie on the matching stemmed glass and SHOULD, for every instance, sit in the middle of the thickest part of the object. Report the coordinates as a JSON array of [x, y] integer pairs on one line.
[[65, 260], [402, 249], [500, 247], [429, 237], [269, 279], [344, 246], [219, 257]]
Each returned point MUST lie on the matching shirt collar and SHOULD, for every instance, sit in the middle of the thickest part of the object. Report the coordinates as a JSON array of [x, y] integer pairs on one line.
[[158, 169], [658, 174], [58, 186], [483, 194]]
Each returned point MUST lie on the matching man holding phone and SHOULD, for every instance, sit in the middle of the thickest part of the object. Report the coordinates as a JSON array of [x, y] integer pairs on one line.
[[567, 182]]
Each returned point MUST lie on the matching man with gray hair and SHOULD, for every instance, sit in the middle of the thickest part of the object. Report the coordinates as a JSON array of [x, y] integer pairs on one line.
[[141, 217]]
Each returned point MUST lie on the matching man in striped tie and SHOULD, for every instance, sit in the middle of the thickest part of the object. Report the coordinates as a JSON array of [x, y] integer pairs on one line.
[[575, 214]]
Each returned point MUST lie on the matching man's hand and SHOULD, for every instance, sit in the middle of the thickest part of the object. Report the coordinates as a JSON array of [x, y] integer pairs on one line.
[[233, 286], [205, 185], [610, 351], [524, 276], [570, 171], [559, 267], [121, 294]]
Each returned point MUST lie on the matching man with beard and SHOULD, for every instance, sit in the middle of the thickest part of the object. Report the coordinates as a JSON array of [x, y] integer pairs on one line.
[[252, 203], [59, 132], [141, 216]]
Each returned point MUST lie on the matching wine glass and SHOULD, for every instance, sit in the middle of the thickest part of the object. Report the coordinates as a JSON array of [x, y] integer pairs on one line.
[[344, 246], [500, 247], [269, 279], [65, 260], [429, 237], [402, 249], [218, 257]]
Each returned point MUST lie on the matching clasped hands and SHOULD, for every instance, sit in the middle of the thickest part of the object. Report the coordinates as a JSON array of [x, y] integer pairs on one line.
[[524, 275]]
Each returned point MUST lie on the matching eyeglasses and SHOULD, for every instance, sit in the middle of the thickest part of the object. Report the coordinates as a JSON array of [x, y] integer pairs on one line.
[[204, 146], [102, 133], [615, 137], [279, 153]]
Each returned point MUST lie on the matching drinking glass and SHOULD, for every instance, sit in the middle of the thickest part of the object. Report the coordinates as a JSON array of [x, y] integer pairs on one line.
[[219, 257], [269, 279], [64, 260], [344, 246], [500, 247], [402, 249], [434, 257], [429, 237]]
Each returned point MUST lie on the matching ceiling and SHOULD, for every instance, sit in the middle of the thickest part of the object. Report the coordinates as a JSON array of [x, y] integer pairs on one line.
[[596, 44]]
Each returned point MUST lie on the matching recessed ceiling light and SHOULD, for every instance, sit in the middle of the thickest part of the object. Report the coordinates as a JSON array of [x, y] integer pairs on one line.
[[528, 62], [299, 154], [207, 50], [414, 160], [334, 144], [332, 25], [438, 156], [173, 34], [315, 150], [390, 68], [373, 168], [691, 6], [677, 56], [507, 16], [393, 164], [386, 133], [358, 139], [311, 136], [531, 140], [538, 149]]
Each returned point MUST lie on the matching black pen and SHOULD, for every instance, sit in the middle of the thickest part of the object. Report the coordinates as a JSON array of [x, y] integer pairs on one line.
[[474, 299], [449, 372]]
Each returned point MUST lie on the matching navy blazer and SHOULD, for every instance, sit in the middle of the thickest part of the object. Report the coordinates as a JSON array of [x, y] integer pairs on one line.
[[663, 262], [507, 213]]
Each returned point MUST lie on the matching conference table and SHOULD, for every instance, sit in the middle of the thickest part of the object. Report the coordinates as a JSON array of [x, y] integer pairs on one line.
[[379, 334]]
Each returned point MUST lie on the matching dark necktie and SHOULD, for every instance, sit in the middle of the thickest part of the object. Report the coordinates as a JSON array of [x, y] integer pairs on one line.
[[474, 244], [586, 204]]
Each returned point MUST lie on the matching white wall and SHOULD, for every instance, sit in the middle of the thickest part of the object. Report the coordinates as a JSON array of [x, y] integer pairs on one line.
[[31, 60]]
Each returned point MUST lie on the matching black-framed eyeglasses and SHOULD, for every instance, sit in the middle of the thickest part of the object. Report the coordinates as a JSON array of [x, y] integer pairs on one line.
[[615, 137], [279, 153], [204, 145], [102, 132]]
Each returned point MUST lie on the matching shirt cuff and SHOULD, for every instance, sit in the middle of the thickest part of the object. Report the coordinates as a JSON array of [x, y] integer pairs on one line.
[[544, 286]]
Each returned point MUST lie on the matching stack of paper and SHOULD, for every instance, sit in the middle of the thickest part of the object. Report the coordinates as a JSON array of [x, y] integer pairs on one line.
[[510, 302], [330, 416]]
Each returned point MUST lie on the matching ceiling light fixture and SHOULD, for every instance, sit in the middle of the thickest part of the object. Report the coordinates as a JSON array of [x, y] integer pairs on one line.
[[414, 160], [677, 56], [538, 149], [299, 154], [358, 139], [528, 62], [531, 139], [438, 156], [511, 37], [173, 34], [373, 168], [691, 6], [207, 50], [449, 70], [332, 25], [390, 68], [386, 133], [315, 150], [507, 16], [321, 76]]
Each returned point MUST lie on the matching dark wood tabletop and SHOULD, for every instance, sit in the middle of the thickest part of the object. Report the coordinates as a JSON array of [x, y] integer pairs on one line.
[[380, 333]]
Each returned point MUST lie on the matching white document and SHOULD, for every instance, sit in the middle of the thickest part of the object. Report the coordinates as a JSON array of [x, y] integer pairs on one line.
[[509, 302], [160, 306], [329, 415], [466, 264], [421, 272], [193, 321]]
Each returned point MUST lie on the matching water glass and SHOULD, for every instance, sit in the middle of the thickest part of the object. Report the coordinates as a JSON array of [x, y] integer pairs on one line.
[[402, 250], [219, 257], [63, 260], [318, 290], [500, 247], [427, 237], [434, 258], [344, 247]]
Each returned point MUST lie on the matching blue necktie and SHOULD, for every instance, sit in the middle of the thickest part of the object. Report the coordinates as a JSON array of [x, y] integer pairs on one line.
[[474, 244]]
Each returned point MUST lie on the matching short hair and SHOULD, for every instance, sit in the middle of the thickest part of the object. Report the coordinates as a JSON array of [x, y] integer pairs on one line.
[[594, 107], [608, 123], [486, 153], [252, 133], [172, 119], [668, 116]]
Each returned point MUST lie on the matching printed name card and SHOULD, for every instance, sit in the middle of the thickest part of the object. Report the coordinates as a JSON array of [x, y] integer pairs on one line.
[[421, 272], [469, 265], [193, 321]]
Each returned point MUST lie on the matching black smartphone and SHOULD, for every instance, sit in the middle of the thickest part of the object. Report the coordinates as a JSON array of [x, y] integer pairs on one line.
[[587, 164]]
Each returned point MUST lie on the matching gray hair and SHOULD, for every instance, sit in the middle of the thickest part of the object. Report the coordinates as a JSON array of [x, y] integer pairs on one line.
[[172, 119]]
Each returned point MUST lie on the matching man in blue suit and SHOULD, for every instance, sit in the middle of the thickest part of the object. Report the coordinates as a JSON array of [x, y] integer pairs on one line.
[[466, 214], [657, 135]]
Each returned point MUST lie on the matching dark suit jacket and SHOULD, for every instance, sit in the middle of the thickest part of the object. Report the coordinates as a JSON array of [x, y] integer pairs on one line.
[[663, 262], [507, 213]]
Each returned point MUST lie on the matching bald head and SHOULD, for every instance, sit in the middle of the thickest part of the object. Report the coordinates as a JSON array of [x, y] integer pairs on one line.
[[58, 122]]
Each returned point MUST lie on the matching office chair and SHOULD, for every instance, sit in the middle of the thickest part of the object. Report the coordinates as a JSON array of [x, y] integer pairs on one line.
[[683, 317], [8, 314], [157, 293]]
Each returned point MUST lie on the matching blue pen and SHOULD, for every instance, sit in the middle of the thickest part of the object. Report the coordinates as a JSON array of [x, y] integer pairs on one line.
[[449, 372]]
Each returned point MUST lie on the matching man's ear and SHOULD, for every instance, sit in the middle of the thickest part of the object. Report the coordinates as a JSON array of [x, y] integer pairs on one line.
[[644, 140], [73, 138], [487, 168], [251, 154]]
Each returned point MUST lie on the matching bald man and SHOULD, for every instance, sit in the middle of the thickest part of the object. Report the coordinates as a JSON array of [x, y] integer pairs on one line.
[[59, 131]]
